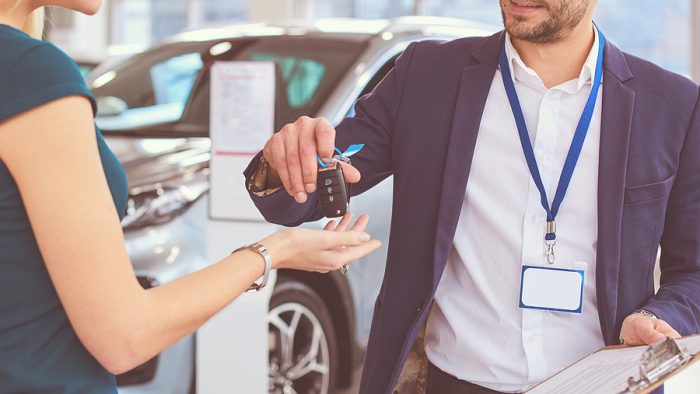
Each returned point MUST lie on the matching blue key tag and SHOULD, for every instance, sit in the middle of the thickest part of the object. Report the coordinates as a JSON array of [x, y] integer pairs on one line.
[[352, 150], [341, 156], [552, 289]]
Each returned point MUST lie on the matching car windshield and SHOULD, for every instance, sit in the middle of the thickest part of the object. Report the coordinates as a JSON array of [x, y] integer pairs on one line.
[[170, 84]]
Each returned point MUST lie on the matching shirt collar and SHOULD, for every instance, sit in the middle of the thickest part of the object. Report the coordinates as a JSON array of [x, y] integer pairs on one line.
[[525, 74]]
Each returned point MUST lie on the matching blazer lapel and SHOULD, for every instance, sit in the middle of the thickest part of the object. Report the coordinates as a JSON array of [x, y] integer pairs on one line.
[[474, 88], [615, 129]]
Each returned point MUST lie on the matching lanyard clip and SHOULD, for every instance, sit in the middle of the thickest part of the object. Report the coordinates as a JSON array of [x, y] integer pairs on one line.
[[550, 251], [550, 239]]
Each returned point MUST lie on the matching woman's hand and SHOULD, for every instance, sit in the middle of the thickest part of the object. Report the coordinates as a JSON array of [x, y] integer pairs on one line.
[[321, 251]]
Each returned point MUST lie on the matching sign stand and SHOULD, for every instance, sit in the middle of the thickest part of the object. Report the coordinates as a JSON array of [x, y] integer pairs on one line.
[[232, 348]]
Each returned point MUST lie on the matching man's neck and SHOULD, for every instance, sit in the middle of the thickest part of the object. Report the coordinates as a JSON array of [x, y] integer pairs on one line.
[[561, 61]]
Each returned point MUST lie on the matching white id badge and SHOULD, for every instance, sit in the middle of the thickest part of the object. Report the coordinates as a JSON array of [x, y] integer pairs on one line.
[[552, 289]]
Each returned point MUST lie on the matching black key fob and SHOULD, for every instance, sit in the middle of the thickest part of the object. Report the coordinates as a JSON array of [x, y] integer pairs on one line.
[[332, 190]]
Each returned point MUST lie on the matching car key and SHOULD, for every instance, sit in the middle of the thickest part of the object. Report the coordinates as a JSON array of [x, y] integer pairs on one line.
[[333, 191]]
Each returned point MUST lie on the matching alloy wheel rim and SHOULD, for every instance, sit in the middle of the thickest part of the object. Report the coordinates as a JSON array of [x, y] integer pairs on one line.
[[299, 351]]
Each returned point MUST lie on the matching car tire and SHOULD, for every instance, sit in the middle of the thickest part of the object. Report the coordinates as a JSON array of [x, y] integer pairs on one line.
[[300, 322]]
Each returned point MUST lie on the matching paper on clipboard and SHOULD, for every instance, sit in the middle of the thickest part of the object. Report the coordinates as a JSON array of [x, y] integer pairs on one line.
[[603, 372], [242, 118]]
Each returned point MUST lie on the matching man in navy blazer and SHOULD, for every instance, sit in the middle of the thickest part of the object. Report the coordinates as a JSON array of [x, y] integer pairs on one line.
[[423, 124]]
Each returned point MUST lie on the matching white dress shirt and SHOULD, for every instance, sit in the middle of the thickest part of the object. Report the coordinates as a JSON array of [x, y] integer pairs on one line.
[[476, 331]]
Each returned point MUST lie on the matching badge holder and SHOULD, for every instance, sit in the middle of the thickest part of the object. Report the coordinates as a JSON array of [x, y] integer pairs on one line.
[[552, 289]]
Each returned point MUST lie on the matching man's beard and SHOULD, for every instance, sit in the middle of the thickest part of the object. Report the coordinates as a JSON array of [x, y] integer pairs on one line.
[[562, 20]]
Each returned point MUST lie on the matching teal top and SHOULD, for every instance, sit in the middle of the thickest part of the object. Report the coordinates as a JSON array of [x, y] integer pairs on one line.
[[39, 350]]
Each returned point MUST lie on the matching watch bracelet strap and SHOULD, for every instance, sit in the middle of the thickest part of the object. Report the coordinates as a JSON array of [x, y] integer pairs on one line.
[[265, 254], [646, 313]]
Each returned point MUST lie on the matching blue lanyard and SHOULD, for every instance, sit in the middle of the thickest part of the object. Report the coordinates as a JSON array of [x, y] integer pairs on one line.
[[574, 149], [341, 156]]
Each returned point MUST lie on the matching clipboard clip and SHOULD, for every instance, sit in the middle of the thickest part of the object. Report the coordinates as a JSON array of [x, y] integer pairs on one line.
[[658, 360]]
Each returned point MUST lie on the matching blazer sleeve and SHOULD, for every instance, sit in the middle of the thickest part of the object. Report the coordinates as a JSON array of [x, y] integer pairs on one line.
[[372, 125], [678, 299]]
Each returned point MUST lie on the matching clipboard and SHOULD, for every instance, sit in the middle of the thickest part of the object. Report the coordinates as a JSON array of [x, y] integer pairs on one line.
[[625, 370], [660, 362]]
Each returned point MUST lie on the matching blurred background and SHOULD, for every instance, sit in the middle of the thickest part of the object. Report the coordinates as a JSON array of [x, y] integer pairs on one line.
[[151, 66], [662, 31]]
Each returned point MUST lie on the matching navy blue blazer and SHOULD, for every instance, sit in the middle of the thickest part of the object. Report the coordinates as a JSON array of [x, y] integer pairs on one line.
[[420, 125]]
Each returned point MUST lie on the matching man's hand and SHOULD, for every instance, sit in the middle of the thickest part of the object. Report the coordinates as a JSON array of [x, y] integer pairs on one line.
[[638, 329], [292, 155]]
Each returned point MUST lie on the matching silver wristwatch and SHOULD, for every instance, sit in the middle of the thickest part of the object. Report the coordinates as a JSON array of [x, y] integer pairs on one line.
[[645, 312], [262, 251]]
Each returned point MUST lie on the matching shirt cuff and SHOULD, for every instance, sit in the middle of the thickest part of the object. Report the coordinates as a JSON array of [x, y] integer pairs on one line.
[[261, 183]]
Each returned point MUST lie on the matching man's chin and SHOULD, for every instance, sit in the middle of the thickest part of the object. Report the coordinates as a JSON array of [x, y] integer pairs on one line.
[[520, 32], [523, 24]]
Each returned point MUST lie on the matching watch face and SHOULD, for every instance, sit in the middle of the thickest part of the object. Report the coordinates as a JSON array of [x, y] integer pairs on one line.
[[646, 313]]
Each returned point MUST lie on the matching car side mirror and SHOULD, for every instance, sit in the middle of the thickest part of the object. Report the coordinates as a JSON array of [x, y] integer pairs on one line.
[[110, 106]]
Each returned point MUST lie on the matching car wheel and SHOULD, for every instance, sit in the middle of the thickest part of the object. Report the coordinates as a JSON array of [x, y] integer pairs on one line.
[[303, 349]]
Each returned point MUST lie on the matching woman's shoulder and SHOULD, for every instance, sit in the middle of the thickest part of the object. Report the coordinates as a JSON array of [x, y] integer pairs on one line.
[[15, 43], [33, 73], [18, 48], [24, 56]]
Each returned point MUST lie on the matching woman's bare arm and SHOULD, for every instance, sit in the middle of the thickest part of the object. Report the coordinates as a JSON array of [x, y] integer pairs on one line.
[[52, 154]]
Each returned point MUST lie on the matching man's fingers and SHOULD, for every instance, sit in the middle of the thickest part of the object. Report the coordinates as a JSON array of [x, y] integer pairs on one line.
[[308, 153], [666, 329], [279, 160], [350, 173], [291, 145], [649, 335], [325, 138], [633, 341]]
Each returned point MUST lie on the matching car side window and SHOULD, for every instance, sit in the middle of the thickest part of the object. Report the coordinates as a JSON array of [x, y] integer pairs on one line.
[[383, 71], [150, 88], [308, 69], [172, 80], [302, 77]]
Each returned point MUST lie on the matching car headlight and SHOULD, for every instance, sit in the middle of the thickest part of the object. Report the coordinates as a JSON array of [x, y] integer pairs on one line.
[[162, 202]]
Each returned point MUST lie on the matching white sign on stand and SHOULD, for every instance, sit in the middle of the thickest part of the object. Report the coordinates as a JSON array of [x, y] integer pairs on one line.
[[242, 119], [232, 348]]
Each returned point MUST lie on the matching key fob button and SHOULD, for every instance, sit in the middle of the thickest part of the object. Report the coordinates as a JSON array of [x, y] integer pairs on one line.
[[329, 181], [330, 199], [331, 190]]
